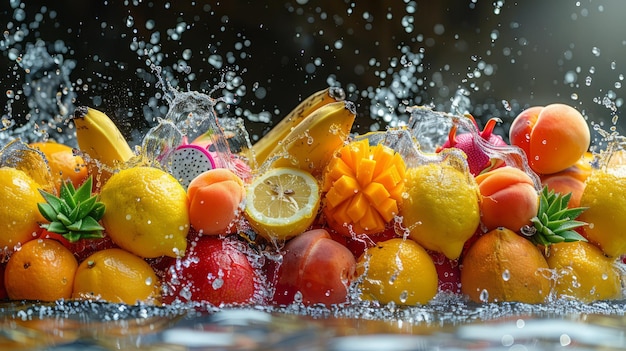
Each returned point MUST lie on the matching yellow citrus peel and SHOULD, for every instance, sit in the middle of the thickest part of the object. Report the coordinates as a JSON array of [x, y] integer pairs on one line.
[[363, 188]]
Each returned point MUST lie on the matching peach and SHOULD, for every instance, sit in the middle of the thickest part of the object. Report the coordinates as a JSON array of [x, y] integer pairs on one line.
[[214, 198], [564, 184], [509, 198], [553, 137]]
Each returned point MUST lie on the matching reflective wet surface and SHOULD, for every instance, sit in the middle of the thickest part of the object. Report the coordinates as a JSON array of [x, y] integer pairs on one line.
[[445, 324]]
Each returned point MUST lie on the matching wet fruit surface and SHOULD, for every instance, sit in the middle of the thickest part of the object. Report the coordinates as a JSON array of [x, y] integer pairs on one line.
[[504, 266], [214, 271]]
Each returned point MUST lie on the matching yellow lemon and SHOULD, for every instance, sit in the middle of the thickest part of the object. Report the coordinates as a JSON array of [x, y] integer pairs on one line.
[[282, 202], [583, 272], [19, 215], [441, 209], [146, 212], [399, 271], [605, 198], [118, 276]]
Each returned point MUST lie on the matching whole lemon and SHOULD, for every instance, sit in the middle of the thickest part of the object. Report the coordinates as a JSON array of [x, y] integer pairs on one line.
[[441, 209], [583, 272], [19, 215], [146, 212], [606, 210]]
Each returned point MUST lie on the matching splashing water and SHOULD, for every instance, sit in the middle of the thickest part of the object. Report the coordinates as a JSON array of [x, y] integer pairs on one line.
[[409, 59]]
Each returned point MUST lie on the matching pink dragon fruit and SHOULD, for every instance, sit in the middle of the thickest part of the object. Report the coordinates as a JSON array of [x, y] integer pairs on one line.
[[478, 159], [188, 161]]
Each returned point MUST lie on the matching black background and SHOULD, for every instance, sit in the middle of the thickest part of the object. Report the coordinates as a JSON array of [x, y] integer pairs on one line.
[[537, 43]]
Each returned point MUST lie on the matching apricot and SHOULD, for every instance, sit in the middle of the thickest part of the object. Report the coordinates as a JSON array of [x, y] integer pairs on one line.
[[553, 137], [565, 184], [214, 198], [509, 198]]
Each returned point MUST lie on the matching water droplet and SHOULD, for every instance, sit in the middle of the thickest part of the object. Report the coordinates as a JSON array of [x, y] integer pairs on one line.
[[484, 296], [595, 51], [506, 275], [404, 295], [128, 217], [217, 283]]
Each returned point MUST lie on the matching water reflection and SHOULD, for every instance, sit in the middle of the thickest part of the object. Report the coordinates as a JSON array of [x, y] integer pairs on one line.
[[443, 325]]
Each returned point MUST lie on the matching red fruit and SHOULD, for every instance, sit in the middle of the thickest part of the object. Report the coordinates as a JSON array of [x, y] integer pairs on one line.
[[317, 267], [358, 244], [3, 290], [477, 158], [213, 270]]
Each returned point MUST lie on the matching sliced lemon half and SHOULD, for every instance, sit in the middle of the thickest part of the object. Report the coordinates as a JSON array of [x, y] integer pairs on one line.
[[282, 202]]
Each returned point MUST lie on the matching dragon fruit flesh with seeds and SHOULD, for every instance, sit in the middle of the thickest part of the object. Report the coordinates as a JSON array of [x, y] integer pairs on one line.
[[188, 161], [477, 159]]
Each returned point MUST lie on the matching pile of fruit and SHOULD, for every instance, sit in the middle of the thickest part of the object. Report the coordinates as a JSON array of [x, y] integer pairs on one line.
[[311, 214]]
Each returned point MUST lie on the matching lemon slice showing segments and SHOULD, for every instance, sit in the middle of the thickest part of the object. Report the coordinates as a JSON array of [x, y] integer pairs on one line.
[[282, 203]]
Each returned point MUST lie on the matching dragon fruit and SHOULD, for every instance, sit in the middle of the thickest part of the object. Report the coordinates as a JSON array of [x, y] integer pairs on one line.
[[477, 159], [188, 161]]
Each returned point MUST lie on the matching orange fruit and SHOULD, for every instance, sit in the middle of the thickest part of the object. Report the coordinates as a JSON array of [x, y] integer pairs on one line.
[[64, 165], [117, 276], [397, 270], [41, 269], [583, 272], [503, 266], [19, 215]]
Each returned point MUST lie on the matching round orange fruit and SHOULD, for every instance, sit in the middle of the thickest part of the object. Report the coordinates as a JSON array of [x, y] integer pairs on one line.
[[504, 266], [41, 269], [64, 165]]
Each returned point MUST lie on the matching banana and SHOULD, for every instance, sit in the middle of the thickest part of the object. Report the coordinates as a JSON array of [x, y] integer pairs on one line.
[[311, 144], [261, 150], [100, 138]]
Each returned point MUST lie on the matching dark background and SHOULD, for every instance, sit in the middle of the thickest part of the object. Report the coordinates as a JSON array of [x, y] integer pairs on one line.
[[504, 55]]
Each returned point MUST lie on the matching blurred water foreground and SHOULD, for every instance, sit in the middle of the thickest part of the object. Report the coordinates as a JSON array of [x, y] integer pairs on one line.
[[488, 58]]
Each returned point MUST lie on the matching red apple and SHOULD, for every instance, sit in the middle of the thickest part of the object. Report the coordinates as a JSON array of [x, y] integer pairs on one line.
[[315, 266], [213, 270]]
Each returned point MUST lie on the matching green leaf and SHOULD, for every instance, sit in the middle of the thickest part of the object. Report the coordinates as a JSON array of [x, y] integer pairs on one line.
[[571, 235], [54, 201], [86, 207], [47, 211], [70, 187], [73, 236], [57, 227], [66, 194], [76, 225], [90, 225], [572, 213], [568, 225], [83, 192], [74, 215], [64, 219], [555, 239], [98, 211]]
